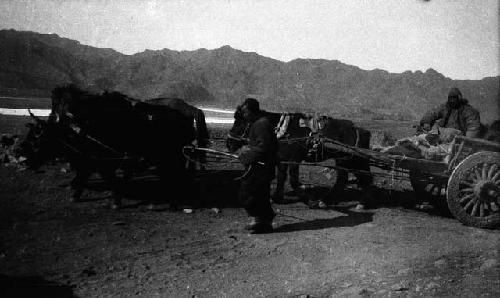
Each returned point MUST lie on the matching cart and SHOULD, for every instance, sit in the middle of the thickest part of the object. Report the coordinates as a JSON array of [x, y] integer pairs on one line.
[[470, 179]]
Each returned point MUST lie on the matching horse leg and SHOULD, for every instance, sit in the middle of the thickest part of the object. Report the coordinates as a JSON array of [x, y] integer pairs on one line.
[[78, 183], [293, 170], [109, 175], [202, 160], [177, 182], [365, 182], [281, 176], [184, 184], [339, 187]]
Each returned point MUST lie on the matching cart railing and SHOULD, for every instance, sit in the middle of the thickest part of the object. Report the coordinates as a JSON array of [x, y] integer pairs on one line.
[[389, 161]]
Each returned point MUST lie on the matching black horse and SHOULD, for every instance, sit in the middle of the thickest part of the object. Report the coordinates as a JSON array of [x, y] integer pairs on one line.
[[195, 115], [296, 145], [108, 132]]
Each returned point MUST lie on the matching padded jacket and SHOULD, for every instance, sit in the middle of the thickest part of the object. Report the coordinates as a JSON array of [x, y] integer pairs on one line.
[[465, 118], [262, 143]]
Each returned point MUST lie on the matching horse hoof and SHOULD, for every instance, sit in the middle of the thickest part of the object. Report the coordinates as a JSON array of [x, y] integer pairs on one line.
[[424, 206], [359, 207], [316, 204], [322, 205]]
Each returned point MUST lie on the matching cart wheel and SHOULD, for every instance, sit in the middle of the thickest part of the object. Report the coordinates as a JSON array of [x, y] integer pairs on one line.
[[474, 190]]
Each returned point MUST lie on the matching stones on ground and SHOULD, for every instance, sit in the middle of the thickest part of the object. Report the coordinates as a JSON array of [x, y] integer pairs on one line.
[[381, 292], [89, 271], [349, 292], [366, 292], [431, 285], [400, 287], [490, 263], [440, 263], [403, 271]]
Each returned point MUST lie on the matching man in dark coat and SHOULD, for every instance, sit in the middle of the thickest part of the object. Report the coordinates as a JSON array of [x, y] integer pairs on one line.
[[259, 158], [455, 113]]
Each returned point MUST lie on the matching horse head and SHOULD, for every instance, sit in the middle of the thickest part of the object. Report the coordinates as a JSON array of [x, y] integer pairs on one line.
[[37, 146], [65, 100]]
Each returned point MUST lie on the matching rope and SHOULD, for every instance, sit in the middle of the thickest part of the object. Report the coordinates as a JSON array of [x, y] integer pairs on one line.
[[392, 175], [220, 153], [121, 159], [102, 144]]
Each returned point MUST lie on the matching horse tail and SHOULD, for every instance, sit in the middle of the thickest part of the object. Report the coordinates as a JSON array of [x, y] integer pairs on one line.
[[202, 134], [363, 137]]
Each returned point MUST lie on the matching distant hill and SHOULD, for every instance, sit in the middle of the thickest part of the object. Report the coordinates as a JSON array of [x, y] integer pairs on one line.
[[33, 63]]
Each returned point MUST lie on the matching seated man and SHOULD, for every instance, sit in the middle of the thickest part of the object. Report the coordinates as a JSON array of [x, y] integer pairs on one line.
[[455, 113]]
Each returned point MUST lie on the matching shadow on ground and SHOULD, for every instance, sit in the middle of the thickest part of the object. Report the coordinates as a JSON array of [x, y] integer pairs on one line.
[[32, 286], [219, 188], [211, 189], [381, 198], [349, 219]]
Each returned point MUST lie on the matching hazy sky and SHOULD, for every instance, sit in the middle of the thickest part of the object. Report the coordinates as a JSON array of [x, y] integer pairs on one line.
[[457, 38]]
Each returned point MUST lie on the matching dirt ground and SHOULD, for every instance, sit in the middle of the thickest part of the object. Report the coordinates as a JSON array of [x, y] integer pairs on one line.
[[51, 247]]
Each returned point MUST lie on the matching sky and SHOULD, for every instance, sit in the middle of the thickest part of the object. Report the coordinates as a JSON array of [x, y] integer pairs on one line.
[[458, 38]]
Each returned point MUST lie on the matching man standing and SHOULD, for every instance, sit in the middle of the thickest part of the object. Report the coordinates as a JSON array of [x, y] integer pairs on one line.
[[455, 113], [259, 158]]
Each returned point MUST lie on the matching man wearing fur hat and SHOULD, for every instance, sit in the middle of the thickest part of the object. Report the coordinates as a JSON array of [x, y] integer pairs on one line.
[[455, 113], [259, 158]]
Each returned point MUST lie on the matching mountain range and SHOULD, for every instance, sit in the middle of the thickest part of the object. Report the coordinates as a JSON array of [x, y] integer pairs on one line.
[[32, 64]]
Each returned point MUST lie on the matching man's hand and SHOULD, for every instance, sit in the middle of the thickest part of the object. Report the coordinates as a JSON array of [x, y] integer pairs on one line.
[[244, 156]]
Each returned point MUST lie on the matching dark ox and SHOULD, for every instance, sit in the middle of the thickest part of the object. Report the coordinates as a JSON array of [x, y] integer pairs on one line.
[[296, 146], [107, 132]]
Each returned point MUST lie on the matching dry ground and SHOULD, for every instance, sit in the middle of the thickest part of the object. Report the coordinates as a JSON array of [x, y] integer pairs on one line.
[[51, 247]]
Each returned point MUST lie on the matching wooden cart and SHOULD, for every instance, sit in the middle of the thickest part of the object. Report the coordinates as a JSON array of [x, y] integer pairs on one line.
[[471, 178]]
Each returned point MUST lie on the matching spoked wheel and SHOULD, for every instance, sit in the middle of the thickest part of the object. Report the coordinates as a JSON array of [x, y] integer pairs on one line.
[[474, 190]]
